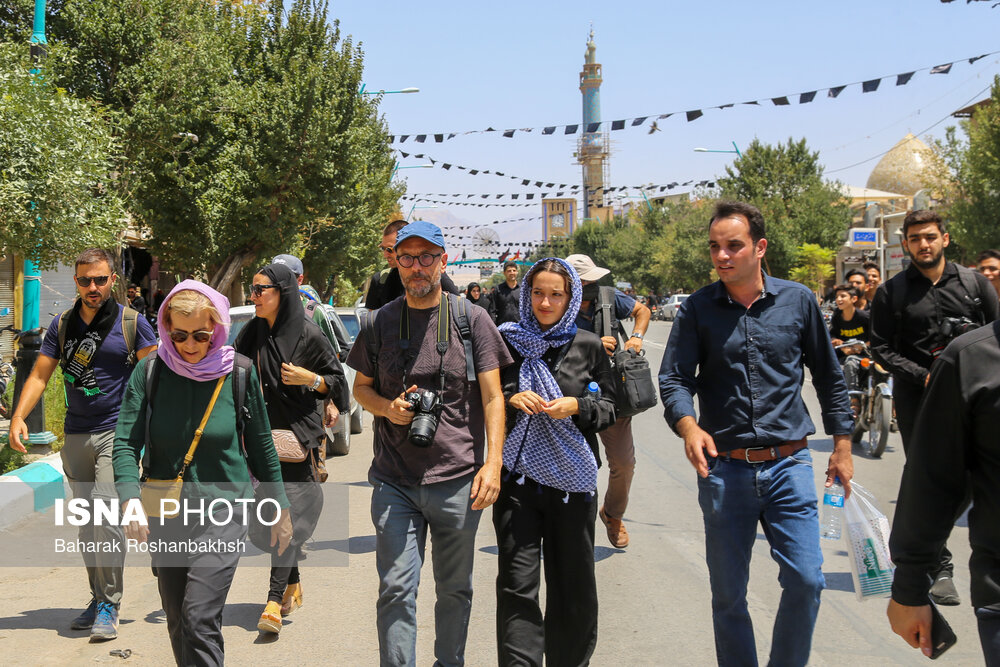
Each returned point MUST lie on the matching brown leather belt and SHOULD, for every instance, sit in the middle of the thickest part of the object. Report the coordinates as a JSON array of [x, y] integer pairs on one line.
[[762, 454]]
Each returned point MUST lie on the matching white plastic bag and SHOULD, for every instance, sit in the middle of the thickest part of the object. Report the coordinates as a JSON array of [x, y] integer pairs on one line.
[[868, 536]]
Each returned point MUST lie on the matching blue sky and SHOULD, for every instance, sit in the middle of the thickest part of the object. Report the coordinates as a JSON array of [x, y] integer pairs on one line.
[[516, 64]]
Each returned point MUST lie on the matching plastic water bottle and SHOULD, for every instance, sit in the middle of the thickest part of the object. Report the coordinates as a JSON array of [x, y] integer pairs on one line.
[[594, 391], [833, 511]]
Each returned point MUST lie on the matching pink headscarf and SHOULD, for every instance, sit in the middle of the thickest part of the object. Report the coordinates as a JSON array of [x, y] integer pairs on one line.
[[219, 360]]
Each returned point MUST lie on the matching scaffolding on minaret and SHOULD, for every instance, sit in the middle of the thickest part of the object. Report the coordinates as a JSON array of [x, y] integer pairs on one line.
[[592, 148]]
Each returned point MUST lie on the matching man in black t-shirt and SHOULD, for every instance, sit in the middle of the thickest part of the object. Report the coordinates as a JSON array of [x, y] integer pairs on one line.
[[507, 297]]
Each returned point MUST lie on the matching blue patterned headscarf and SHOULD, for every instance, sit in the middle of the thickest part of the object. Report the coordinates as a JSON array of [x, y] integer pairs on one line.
[[550, 451]]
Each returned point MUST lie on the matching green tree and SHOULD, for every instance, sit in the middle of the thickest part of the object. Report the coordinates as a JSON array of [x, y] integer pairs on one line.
[[969, 184], [680, 254], [243, 132], [813, 266], [56, 154], [786, 183]]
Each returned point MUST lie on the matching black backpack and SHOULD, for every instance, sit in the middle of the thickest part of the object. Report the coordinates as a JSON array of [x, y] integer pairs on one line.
[[634, 388]]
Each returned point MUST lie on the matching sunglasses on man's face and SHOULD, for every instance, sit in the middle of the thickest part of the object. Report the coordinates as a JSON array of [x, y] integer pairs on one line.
[[100, 281], [257, 290], [426, 259], [179, 336]]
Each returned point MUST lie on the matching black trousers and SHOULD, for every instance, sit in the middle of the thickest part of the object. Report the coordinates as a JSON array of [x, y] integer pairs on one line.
[[194, 595], [532, 521], [907, 397]]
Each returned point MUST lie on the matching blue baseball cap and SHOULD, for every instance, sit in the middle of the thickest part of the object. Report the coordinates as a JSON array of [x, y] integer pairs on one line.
[[421, 229]]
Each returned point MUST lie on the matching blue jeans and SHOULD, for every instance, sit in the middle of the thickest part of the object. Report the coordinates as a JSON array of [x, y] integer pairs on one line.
[[402, 516], [781, 496]]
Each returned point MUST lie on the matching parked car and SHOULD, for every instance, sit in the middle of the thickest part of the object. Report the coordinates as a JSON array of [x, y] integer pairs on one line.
[[338, 439], [669, 310]]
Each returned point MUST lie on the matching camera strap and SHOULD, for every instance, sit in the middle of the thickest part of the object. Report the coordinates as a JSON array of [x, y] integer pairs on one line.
[[443, 331]]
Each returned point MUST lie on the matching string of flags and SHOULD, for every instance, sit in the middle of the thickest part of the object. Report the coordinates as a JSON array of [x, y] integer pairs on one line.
[[473, 172], [530, 196], [498, 222], [869, 86]]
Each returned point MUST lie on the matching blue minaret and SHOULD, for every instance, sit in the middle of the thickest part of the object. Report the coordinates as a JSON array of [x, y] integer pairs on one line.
[[592, 148]]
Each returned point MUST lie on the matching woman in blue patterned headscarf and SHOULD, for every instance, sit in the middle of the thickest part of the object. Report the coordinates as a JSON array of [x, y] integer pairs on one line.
[[547, 503]]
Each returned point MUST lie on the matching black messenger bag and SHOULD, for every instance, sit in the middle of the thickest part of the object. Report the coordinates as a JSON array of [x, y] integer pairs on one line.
[[634, 388]]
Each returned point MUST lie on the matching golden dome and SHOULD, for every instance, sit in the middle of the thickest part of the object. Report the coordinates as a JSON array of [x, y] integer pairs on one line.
[[901, 169]]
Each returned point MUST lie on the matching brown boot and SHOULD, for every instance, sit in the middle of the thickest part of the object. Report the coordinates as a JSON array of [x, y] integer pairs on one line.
[[617, 534]]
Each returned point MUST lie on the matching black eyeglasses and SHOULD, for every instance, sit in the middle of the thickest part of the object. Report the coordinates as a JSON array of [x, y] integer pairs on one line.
[[385, 248], [100, 281], [179, 336], [426, 259], [257, 290]]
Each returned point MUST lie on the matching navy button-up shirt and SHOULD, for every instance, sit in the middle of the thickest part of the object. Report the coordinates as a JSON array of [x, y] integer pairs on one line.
[[746, 367]]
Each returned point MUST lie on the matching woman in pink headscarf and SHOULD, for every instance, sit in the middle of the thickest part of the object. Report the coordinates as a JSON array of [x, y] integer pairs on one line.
[[163, 406]]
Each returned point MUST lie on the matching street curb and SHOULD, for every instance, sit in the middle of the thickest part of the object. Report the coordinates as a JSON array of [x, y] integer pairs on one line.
[[33, 488]]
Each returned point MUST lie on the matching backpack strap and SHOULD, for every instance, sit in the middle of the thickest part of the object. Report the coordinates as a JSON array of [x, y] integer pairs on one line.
[[150, 381], [973, 296], [63, 326], [241, 381], [129, 325], [460, 312], [373, 341]]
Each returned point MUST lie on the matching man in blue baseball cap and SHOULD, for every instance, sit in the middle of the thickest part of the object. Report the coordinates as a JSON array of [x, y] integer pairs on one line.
[[439, 475], [385, 285]]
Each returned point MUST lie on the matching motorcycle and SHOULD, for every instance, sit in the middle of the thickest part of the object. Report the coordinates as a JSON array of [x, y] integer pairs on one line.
[[874, 416]]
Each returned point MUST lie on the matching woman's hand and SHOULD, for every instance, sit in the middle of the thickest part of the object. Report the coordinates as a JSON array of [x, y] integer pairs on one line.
[[560, 408], [296, 375], [137, 530], [281, 532], [528, 402]]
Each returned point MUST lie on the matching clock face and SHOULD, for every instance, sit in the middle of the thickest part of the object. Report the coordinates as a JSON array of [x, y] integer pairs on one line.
[[558, 220]]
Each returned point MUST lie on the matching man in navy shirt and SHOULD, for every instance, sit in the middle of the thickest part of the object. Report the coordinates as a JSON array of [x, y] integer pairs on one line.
[[96, 367], [619, 446], [740, 344]]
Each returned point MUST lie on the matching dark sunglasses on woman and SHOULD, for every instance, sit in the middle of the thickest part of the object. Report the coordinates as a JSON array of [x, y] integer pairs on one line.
[[257, 290], [179, 336], [100, 281]]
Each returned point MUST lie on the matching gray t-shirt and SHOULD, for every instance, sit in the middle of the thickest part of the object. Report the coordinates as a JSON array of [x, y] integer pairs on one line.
[[459, 443]]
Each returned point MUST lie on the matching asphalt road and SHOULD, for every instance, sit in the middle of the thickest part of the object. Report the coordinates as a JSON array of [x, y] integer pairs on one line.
[[654, 595]]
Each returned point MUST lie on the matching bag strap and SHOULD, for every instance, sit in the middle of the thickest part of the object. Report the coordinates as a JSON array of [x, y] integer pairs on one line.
[[63, 326], [241, 381], [129, 325], [606, 304], [373, 341], [967, 277], [151, 379], [201, 427], [459, 308]]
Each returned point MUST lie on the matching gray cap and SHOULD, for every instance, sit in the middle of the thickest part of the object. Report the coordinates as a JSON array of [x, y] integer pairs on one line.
[[291, 261]]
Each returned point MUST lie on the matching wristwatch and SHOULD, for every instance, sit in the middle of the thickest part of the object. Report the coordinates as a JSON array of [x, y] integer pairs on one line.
[[316, 382], [636, 335]]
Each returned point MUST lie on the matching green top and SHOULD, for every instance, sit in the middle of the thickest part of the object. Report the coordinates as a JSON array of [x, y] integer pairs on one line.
[[219, 468]]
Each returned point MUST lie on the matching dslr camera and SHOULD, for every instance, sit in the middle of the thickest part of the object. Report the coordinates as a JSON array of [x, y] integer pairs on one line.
[[426, 406], [953, 327]]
